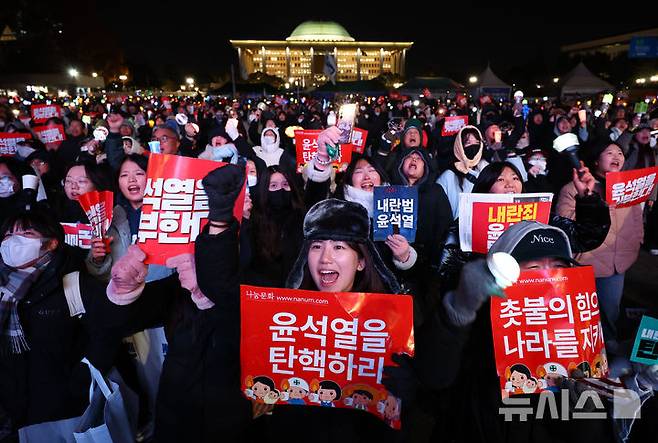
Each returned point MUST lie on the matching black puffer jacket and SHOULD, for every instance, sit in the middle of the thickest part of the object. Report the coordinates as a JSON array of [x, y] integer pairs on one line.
[[48, 382], [585, 235]]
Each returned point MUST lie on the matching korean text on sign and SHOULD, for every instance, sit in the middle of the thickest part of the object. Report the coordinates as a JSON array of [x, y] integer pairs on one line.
[[395, 211], [175, 206], [549, 323], [312, 339], [628, 188], [10, 141]]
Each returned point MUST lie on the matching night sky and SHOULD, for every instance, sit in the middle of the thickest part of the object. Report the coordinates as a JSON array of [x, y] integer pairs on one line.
[[189, 37]]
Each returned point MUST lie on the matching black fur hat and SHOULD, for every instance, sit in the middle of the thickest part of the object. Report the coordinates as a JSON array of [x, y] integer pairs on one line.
[[339, 220]]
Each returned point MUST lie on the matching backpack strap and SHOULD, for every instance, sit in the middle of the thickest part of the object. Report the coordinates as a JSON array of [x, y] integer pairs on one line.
[[72, 293]]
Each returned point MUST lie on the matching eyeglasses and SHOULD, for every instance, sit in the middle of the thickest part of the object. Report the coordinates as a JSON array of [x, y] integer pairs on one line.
[[77, 182], [163, 139]]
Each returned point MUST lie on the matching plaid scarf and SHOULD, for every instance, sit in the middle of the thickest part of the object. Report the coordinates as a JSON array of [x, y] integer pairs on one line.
[[14, 285]]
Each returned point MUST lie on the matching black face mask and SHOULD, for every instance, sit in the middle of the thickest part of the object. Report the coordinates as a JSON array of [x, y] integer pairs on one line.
[[471, 150], [279, 200]]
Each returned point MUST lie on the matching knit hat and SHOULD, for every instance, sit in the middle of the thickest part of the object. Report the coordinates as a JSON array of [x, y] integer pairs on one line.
[[171, 124], [339, 220], [531, 240]]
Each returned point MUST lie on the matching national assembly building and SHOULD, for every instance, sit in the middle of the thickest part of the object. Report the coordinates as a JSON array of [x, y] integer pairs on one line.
[[312, 46]]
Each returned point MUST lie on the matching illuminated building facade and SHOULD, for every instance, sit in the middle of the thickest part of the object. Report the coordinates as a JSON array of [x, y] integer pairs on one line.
[[302, 56]]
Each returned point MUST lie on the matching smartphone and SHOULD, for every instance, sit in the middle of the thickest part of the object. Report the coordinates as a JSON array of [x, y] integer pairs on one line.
[[345, 122], [607, 98]]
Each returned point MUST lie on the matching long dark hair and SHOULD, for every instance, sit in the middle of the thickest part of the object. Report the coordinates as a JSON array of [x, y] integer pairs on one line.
[[490, 174], [98, 175], [38, 220], [267, 228], [367, 280], [349, 172]]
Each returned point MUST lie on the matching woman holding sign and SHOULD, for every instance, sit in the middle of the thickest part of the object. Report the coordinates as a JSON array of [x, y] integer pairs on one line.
[[622, 244]]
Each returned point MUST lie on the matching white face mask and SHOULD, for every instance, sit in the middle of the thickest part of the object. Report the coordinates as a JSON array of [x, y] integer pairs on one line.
[[18, 250], [252, 180], [6, 187]]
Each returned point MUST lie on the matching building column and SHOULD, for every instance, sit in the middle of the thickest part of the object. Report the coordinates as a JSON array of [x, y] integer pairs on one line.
[[358, 63], [311, 61], [381, 61], [403, 61], [262, 60], [287, 63], [336, 59]]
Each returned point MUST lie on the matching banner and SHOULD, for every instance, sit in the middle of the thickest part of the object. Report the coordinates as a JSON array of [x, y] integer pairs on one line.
[[484, 217], [306, 144], [175, 208], [9, 141], [99, 207], [323, 349], [547, 326], [395, 212], [358, 141], [452, 125], [77, 235], [645, 349], [50, 133], [41, 113], [629, 188]]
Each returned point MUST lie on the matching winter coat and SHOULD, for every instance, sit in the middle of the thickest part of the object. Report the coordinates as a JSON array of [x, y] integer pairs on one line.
[[622, 244], [199, 398], [454, 183], [48, 382]]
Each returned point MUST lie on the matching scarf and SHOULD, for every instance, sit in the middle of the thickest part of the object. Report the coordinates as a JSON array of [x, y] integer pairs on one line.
[[364, 198], [463, 163], [14, 285]]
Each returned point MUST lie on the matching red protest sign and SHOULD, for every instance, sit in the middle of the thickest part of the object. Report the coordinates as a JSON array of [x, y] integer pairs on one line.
[[490, 220], [10, 141], [358, 141], [175, 208], [452, 125], [629, 188], [306, 144], [323, 349], [41, 113], [77, 234], [547, 326], [99, 207], [50, 133]]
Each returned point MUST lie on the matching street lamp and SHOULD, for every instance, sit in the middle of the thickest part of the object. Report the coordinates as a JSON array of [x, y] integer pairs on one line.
[[556, 79], [189, 80], [641, 81], [94, 74], [73, 72], [472, 79], [123, 77], [654, 78]]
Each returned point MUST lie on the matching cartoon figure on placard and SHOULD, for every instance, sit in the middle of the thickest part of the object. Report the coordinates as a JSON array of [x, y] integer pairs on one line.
[[390, 410], [531, 386], [583, 367], [327, 393], [361, 396], [261, 389], [295, 390], [552, 374], [600, 365], [517, 375]]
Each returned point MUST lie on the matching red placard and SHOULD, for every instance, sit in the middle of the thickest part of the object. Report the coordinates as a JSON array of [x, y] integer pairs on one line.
[[99, 207], [490, 220], [175, 208], [452, 125], [9, 142], [358, 141], [306, 143], [50, 133], [41, 113], [548, 325], [323, 349], [629, 188], [77, 234]]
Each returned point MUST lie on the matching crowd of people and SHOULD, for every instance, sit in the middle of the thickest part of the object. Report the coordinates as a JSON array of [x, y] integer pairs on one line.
[[304, 227]]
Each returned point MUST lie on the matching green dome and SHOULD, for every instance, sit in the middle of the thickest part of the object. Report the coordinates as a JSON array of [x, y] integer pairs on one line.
[[320, 31]]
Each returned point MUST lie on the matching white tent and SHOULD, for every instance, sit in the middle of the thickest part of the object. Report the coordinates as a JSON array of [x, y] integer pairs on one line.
[[490, 84], [581, 81]]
